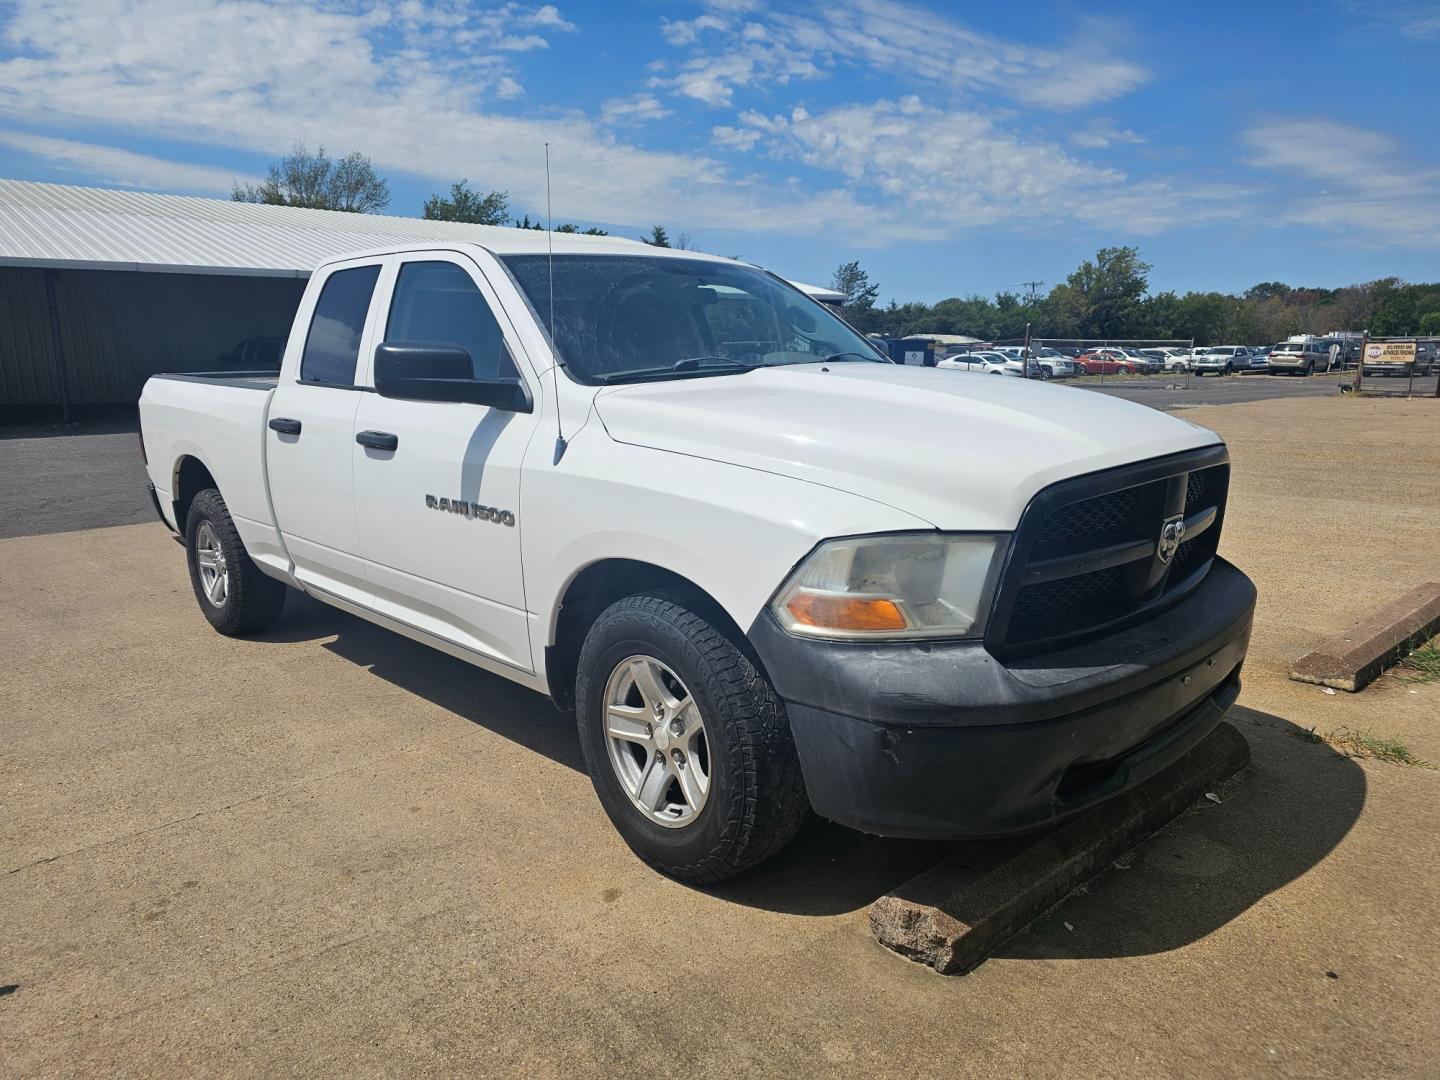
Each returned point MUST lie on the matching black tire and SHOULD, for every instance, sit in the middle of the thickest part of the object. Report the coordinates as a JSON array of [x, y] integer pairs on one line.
[[756, 799], [1308, 369], [253, 600]]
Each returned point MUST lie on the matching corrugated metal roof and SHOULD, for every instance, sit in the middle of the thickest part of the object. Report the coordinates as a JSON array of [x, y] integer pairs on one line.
[[819, 292], [97, 228]]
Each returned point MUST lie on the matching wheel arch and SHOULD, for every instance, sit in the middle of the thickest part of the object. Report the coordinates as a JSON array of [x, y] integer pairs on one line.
[[189, 477], [598, 585]]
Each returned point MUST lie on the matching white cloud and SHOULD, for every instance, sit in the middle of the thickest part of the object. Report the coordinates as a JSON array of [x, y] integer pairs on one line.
[[1336, 176], [636, 109], [956, 169], [123, 168], [258, 76], [734, 138], [1101, 134], [763, 50], [1417, 20]]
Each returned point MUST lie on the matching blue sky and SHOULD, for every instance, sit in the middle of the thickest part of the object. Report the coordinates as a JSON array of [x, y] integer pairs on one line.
[[951, 148]]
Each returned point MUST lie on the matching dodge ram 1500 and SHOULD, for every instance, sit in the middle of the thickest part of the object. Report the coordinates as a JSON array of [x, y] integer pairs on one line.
[[769, 570]]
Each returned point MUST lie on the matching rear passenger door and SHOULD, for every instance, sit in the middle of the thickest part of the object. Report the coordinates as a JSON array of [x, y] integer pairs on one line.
[[310, 435], [439, 511]]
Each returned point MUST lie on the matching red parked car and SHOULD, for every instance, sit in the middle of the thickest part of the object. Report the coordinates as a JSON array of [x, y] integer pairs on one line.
[[1106, 362]]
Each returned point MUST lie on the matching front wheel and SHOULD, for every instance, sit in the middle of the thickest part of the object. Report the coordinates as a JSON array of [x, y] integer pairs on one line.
[[233, 593], [686, 742]]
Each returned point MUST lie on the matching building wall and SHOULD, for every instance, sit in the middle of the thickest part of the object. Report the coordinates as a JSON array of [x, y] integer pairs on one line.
[[117, 328]]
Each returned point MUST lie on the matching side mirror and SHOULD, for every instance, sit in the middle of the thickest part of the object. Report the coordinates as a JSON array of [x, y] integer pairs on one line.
[[439, 371]]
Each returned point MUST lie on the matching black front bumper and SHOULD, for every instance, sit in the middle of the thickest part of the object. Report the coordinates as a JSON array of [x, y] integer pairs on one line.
[[942, 739]]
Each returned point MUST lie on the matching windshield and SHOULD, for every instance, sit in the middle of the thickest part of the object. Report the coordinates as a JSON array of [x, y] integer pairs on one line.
[[629, 317]]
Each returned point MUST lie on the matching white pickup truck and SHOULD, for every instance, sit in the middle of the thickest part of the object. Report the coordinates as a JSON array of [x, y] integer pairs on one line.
[[768, 569]]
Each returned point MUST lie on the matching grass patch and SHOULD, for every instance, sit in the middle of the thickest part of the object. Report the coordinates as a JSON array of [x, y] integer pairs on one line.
[[1366, 744], [1422, 665]]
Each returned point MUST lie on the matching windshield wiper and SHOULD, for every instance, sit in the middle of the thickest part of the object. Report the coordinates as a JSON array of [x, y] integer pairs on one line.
[[690, 365], [862, 357]]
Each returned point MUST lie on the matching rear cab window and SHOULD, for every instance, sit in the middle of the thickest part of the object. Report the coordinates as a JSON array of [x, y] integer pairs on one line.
[[332, 344]]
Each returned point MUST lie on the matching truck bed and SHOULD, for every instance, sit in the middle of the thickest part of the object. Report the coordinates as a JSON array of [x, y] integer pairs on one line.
[[245, 380], [216, 418]]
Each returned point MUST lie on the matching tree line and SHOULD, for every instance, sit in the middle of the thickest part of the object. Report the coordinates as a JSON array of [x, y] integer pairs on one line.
[[315, 181], [1109, 297]]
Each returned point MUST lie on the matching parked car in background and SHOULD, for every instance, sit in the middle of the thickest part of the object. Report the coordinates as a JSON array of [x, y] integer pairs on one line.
[[987, 363], [253, 354], [1221, 360], [1259, 358], [1170, 357], [1055, 363], [1107, 361], [1298, 357], [1150, 365]]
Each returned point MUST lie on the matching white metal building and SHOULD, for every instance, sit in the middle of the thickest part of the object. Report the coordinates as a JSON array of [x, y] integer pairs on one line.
[[100, 289]]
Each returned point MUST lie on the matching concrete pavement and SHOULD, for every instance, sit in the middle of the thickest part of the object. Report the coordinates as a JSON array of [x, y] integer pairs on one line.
[[333, 851]]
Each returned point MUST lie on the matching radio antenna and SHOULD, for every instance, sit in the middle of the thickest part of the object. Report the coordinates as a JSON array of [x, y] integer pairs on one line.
[[554, 346]]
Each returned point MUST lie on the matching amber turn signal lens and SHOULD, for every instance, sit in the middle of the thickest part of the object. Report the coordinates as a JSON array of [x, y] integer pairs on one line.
[[844, 612]]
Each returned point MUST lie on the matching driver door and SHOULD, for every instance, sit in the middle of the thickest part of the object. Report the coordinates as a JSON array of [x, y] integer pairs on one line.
[[438, 505]]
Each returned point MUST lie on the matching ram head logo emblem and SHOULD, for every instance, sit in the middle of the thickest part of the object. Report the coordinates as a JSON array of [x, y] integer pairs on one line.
[[1171, 535]]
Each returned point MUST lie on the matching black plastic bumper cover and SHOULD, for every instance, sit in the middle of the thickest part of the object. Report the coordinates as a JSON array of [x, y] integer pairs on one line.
[[941, 739]]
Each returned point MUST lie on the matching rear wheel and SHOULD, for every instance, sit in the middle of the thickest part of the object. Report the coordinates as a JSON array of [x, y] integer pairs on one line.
[[234, 594], [686, 742]]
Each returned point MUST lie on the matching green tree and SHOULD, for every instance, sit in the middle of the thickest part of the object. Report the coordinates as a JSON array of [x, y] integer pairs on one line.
[[1110, 291], [658, 237], [1429, 324], [315, 181], [468, 205], [855, 283]]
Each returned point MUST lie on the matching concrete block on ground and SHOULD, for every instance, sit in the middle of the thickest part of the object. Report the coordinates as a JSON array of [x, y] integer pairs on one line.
[[954, 915], [1357, 657]]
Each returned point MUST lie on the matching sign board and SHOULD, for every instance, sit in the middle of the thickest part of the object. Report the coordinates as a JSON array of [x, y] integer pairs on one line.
[[916, 357], [1390, 352]]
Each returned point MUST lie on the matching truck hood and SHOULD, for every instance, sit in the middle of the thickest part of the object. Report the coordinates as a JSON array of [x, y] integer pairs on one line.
[[961, 451]]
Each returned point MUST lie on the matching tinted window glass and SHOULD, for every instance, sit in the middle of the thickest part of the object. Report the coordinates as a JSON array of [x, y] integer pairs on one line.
[[637, 316], [438, 301], [333, 345]]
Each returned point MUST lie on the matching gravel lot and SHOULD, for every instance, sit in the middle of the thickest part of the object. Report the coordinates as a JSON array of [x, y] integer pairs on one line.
[[330, 850]]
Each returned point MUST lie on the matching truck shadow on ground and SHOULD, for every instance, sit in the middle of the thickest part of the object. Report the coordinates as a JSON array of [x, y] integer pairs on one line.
[[1279, 818]]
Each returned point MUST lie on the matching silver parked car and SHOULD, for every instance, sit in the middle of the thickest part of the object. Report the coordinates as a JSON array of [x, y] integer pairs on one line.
[[1221, 360]]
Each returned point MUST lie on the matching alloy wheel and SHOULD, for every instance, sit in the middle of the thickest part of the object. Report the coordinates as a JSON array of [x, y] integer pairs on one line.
[[656, 741]]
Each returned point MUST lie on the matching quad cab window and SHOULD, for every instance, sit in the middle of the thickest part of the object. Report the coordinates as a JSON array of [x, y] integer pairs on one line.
[[332, 346]]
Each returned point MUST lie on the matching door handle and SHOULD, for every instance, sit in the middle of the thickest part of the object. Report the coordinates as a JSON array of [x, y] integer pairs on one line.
[[285, 426], [378, 440]]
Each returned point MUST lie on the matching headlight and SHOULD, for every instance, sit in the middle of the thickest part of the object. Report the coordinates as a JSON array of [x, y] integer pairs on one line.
[[900, 585]]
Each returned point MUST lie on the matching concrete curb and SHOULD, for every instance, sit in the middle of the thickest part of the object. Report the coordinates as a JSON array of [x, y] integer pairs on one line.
[[951, 917], [1356, 658]]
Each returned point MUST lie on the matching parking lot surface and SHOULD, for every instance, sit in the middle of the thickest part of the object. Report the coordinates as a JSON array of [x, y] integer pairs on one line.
[[62, 478], [1178, 392], [329, 850]]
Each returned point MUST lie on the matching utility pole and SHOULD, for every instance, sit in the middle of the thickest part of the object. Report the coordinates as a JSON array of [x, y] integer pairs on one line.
[[1033, 290]]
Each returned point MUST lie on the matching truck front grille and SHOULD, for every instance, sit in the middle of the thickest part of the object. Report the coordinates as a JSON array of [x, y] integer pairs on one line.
[[1089, 555]]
